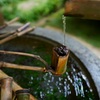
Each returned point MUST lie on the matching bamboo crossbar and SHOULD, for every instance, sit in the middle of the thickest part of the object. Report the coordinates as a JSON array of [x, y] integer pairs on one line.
[[18, 30], [16, 35], [10, 22]]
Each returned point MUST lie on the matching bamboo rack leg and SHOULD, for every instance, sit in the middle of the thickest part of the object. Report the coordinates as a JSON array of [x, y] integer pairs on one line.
[[6, 88], [15, 86]]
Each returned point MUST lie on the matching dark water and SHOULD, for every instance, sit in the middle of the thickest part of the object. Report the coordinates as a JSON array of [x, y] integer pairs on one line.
[[74, 84]]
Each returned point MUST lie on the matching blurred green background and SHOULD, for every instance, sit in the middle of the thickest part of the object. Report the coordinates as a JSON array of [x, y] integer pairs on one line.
[[51, 12], [29, 10]]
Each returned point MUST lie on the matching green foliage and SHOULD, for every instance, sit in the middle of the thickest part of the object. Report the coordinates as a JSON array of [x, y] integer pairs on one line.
[[7, 2], [11, 9]]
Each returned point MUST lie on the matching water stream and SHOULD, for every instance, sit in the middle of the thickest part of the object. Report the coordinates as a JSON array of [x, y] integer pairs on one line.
[[64, 27]]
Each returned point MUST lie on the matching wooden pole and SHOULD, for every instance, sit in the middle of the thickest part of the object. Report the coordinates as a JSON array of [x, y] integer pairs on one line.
[[15, 86], [86, 9], [6, 88]]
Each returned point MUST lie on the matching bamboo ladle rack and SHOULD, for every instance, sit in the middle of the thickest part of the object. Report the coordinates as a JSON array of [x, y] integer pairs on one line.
[[8, 23]]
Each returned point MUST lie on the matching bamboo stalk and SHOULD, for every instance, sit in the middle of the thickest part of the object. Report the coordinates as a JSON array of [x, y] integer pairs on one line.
[[15, 66], [16, 35], [6, 88], [15, 86], [25, 54], [22, 94], [18, 30]]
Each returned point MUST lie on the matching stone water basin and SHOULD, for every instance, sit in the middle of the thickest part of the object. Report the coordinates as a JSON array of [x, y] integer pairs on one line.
[[76, 83]]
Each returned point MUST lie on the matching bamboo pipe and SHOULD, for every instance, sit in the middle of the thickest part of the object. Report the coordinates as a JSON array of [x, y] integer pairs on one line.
[[6, 88], [15, 86], [15, 66], [10, 22], [16, 35], [25, 54], [23, 67], [18, 30]]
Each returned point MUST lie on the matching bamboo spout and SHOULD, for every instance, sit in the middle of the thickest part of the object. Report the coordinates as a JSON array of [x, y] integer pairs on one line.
[[58, 65], [69, 9]]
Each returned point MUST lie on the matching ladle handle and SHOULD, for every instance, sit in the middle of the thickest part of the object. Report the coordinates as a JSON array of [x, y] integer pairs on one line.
[[23, 27], [22, 67]]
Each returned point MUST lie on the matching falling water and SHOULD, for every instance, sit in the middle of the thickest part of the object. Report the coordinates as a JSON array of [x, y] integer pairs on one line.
[[64, 27]]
